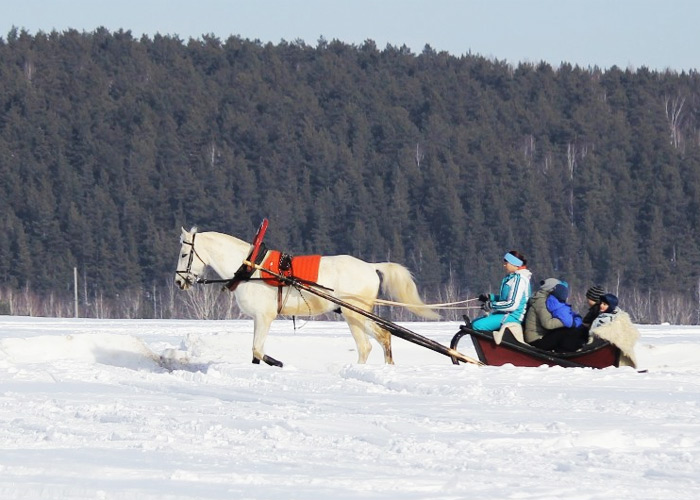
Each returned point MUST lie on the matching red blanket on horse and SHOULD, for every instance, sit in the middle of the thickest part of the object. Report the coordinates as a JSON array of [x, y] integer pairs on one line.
[[303, 267]]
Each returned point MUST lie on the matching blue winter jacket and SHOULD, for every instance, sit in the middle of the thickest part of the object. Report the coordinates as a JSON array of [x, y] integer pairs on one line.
[[513, 296], [563, 312]]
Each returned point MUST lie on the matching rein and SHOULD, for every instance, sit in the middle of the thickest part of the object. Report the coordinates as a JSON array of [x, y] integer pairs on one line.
[[187, 275], [444, 305]]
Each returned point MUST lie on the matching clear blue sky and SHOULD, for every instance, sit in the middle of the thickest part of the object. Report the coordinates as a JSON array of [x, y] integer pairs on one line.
[[658, 34]]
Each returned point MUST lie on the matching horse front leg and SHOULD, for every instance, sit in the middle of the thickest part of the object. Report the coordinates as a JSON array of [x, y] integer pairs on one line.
[[261, 327], [356, 323]]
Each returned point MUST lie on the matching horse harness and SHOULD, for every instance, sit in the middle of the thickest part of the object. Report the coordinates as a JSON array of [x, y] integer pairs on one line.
[[279, 263], [302, 268], [187, 273]]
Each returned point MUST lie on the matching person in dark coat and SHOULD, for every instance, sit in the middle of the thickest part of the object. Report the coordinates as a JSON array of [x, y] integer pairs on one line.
[[615, 326], [593, 296], [608, 310]]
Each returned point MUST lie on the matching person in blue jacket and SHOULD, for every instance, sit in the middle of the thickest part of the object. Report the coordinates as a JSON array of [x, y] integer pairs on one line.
[[559, 308], [572, 335], [508, 305]]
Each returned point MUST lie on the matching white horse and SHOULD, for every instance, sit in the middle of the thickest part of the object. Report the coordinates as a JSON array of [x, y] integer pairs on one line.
[[350, 279]]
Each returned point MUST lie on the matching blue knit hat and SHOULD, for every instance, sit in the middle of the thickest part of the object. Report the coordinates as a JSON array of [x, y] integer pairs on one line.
[[561, 292]]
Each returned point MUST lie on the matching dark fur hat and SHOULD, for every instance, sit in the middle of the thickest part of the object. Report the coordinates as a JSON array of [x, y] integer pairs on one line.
[[610, 300]]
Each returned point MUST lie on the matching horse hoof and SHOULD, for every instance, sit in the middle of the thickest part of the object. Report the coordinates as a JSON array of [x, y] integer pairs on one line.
[[256, 361], [271, 361]]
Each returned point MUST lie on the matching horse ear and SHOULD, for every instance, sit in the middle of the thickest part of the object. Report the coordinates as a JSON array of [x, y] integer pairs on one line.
[[193, 230]]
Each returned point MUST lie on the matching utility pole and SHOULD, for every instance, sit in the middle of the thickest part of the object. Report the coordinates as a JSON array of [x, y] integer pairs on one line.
[[75, 289]]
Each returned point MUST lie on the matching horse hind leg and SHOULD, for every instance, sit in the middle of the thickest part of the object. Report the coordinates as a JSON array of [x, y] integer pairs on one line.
[[361, 328], [384, 338]]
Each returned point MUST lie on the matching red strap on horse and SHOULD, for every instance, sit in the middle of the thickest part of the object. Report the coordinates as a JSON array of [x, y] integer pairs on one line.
[[257, 241], [245, 272]]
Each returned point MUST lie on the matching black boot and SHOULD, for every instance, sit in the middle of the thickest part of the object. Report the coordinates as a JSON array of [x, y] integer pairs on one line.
[[467, 321]]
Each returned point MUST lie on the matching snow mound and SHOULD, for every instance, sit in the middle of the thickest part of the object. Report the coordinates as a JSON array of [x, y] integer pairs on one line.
[[676, 356], [104, 348]]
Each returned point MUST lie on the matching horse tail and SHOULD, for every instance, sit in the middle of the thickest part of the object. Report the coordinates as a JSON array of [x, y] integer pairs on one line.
[[397, 282]]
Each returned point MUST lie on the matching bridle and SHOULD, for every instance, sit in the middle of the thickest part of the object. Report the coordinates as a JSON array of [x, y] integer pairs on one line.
[[187, 275]]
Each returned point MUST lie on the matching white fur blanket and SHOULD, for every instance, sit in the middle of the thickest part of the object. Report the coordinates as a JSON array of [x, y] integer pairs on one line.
[[623, 334]]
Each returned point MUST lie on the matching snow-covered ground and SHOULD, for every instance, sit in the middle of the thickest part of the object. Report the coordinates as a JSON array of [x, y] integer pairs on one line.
[[137, 410]]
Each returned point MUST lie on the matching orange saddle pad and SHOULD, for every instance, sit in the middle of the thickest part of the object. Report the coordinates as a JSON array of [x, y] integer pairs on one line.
[[304, 268]]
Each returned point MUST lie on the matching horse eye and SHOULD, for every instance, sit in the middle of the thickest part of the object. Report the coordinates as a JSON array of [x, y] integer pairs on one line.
[[183, 255]]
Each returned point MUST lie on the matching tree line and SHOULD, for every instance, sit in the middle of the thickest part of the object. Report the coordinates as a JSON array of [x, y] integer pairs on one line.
[[109, 144]]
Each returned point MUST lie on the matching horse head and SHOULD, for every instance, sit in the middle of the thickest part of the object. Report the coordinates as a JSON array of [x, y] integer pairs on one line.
[[189, 265]]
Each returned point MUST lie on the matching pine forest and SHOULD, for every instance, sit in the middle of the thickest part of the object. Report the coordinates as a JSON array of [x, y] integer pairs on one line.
[[109, 145]]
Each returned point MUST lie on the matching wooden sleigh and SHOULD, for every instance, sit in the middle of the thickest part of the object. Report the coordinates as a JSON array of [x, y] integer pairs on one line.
[[597, 354]]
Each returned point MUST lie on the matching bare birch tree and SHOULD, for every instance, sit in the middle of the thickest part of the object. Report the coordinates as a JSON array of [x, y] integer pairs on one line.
[[571, 164], [674, 111]]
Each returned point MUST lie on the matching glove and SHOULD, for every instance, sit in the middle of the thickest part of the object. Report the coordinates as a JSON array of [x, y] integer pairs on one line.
[[483, 298], [486, 306]]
